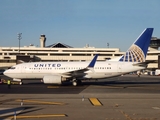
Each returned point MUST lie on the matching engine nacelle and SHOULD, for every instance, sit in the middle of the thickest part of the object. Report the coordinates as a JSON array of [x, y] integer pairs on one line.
[[52, 79]]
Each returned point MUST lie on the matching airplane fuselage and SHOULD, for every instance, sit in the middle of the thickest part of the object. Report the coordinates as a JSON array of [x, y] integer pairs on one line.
[[37, 70]]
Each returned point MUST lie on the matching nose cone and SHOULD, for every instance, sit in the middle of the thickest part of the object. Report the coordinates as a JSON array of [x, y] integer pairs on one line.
[[5, 72]]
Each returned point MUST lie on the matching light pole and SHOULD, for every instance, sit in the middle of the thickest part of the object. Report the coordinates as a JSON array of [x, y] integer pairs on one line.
[[108, 45], [19, 38]]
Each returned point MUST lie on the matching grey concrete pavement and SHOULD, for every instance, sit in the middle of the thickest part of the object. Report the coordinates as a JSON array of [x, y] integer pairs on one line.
[[123, 98]]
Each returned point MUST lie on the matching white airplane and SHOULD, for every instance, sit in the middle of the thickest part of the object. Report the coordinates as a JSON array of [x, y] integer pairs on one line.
[[59, 72]]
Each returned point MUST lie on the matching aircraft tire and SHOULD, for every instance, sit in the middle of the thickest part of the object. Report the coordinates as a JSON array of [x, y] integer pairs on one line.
[[74, 83], [20, 83]]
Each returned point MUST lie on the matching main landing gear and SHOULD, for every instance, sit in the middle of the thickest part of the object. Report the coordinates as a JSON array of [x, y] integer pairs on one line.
[[20, 83], [76, 82]]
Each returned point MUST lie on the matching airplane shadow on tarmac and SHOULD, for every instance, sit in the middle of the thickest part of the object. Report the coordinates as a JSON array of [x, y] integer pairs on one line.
[[37, 87]]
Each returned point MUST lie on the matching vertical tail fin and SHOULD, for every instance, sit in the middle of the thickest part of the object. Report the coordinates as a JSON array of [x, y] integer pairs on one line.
[[138, 50]]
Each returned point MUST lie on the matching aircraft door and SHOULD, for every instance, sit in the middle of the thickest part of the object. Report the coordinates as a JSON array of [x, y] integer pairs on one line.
[[119, 68], [22, 69], [25, 69]]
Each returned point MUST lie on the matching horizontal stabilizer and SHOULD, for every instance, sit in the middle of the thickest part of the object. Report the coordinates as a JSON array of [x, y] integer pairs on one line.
[[144, 63]]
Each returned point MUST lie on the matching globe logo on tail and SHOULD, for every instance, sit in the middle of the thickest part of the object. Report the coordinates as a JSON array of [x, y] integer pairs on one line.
[[134, 54]]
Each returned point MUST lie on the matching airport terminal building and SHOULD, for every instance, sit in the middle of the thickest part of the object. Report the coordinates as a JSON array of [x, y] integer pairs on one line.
[[62, 52]]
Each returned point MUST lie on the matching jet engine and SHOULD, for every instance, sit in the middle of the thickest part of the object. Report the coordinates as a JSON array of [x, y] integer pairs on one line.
[[52, 79]]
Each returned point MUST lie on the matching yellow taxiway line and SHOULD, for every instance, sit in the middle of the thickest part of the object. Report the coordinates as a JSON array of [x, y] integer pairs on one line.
[[52, 86], [95, 102], [37, 116], [41, 102]]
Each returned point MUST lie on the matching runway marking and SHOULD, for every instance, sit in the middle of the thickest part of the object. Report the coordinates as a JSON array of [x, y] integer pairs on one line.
[[95, 102], [38, 116], [41, 102], [126, 115], [156, 108], [52, 86]]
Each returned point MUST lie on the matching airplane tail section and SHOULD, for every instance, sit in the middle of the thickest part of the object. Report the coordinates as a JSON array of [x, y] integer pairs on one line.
[[138, 50]]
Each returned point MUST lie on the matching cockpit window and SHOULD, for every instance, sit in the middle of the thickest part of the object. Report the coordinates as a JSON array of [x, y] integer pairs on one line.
[[12, 68]]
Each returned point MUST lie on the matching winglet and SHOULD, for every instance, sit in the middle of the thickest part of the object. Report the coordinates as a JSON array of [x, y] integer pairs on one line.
[[92, 63], [138, 50]]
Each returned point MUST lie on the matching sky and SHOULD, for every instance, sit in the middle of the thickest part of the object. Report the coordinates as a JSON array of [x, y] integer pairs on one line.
[[77, 22]]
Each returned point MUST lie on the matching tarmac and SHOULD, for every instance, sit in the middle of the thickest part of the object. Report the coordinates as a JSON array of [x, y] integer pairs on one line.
[[122, 98]]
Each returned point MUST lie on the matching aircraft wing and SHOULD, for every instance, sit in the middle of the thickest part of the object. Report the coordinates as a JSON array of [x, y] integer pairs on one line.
[[81, 72]]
